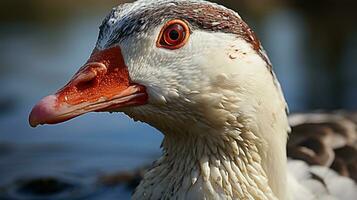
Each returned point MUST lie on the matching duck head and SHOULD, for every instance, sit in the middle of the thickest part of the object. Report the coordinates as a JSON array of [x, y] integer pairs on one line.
[[188, 68], [158, 61]]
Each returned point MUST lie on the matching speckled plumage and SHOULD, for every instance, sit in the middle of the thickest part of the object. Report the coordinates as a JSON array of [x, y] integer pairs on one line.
[[216, 100], [142, 16]]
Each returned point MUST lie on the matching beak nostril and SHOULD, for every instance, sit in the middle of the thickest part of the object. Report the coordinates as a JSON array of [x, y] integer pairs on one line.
[[85, 84], [88, 77], [85, 81]]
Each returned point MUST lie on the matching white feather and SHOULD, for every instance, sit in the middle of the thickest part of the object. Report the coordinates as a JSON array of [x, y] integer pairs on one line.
[[222, 112]]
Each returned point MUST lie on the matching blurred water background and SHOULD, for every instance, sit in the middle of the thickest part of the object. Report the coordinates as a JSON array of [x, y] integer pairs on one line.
[[312, 45]]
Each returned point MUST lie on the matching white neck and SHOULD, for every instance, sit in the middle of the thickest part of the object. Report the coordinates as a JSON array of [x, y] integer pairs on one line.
[[220, 165], [224, 139]]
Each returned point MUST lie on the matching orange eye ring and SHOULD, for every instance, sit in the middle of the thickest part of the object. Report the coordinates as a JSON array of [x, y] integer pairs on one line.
[[174, 35]]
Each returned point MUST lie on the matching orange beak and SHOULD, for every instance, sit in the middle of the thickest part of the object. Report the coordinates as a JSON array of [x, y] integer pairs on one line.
[[102, 84]]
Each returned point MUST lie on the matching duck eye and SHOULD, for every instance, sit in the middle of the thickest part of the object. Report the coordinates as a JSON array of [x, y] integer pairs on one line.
[[174, 35]]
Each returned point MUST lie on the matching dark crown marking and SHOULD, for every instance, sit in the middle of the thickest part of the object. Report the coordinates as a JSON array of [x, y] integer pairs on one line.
[[200, 15]]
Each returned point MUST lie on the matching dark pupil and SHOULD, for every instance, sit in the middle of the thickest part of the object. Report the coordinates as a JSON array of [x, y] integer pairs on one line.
[[174, 35]]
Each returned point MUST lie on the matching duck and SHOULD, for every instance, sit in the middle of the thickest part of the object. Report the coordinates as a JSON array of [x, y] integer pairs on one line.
[[197, 72]]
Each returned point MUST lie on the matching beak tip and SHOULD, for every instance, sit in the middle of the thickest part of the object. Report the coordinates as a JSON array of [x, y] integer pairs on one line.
[[32, 122], [33, 125], [43, 111]]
